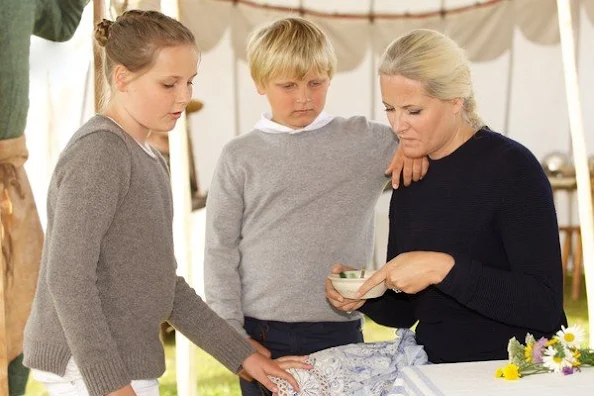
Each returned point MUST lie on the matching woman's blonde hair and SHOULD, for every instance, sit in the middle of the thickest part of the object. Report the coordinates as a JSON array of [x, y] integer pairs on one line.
[[289, 47], [438, 63]]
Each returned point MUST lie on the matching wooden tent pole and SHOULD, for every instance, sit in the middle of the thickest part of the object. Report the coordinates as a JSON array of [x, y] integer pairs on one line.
[[3, 346], [580, 159], [185, 352], [98, 14]]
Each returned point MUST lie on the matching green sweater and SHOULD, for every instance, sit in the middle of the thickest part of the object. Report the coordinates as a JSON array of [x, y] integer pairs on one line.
[[108, 274], [54, 20]]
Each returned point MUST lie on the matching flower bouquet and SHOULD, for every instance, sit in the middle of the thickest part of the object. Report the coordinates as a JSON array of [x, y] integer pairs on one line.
[[560, 354]]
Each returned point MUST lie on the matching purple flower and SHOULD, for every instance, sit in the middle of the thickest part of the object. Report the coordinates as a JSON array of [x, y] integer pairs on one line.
[[567, 370], [538, 350]]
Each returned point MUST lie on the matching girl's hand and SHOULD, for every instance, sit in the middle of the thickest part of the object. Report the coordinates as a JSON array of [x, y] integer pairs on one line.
[[259, 368], [413, 169], [297, 362], [335, 298], [125, 391], [411, 272], [261, 349]]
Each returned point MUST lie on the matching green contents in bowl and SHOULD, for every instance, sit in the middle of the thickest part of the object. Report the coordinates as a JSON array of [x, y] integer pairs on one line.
[[350, 274]]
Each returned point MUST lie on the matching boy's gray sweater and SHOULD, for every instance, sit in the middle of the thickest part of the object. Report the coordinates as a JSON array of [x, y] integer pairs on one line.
[[108, 276], [282, 209]]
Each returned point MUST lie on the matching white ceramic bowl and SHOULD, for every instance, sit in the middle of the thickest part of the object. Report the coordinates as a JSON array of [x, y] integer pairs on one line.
[[347, 287]]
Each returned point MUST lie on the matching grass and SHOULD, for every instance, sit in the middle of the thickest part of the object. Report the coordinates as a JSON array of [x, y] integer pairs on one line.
[[216, 380]]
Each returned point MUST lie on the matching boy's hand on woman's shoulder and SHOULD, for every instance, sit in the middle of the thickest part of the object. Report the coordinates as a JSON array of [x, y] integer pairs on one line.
[[412, 169]]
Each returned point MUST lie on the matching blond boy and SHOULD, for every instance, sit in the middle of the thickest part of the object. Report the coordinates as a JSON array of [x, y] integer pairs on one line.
[[290, 198]]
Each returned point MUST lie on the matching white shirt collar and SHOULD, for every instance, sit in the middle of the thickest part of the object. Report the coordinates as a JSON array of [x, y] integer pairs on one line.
[[265, 124]]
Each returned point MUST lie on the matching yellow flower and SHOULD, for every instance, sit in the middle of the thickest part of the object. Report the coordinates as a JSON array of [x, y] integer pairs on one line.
[[528, 353], [499, 373], [552, 341], [511, 372], [576, 356]]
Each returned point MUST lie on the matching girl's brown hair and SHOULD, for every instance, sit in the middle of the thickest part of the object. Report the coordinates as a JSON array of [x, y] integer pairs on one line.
[[134, 38]]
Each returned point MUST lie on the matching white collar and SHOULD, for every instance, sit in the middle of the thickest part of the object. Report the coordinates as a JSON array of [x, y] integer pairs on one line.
[[265, 124]]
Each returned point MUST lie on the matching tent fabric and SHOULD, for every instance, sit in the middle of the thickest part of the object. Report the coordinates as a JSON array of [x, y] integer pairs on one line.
[[485, 30], [514, 44]]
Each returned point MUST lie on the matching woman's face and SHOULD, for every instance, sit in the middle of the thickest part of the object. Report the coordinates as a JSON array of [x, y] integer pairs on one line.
[[426, 126]]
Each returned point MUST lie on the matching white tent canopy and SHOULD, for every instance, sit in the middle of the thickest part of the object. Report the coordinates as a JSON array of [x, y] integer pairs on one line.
[[514, 46]]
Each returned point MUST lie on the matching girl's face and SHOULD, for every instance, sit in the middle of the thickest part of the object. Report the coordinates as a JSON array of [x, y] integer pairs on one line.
[[296, 103], [154, 99], [426, 126]]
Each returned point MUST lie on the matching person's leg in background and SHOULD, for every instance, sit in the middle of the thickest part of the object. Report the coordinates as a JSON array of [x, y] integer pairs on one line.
[[17, 376]]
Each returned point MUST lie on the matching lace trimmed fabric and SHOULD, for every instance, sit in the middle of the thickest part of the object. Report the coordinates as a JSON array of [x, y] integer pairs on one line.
[[367, 369]]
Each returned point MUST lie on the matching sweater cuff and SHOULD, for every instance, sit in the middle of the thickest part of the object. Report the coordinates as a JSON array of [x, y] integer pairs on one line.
[[106, 377], [461, 281], [234, 351]]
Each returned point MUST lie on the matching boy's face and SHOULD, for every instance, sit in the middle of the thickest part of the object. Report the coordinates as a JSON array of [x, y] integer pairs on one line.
[[296, 103]]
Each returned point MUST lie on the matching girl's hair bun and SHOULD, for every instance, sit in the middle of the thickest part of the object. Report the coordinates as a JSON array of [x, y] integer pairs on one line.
[[102, 31]]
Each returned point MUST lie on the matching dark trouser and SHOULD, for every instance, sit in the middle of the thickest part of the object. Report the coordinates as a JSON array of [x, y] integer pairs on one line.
[[298, 338], [17, 377]]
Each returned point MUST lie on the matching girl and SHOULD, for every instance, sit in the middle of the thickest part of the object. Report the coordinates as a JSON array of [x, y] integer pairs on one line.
[[108, 275]]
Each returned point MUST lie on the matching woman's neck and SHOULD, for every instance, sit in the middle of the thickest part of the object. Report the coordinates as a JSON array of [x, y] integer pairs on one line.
[[463, 132]]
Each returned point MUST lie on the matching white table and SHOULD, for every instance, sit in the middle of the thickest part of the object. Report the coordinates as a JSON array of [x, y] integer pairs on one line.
[[478, 378]]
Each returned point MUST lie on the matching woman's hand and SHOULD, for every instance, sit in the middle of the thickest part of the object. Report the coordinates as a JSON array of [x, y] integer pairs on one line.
[[125, 391], [259, 368], [336, 299], [413, 169], [411, 272]]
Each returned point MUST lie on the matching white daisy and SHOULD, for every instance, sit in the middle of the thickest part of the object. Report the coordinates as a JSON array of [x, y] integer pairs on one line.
[[571, 337], [555, 359]]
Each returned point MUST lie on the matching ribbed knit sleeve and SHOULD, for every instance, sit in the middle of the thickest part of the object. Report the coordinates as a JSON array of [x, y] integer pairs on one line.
[[224, 216], [206, 329], [92, 177], [529, 293]]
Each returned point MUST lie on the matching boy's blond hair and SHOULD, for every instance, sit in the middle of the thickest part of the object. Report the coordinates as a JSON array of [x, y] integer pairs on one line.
[[289, 47]]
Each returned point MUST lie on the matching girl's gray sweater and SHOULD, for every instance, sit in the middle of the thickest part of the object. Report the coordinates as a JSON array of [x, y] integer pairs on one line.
[[108, 273]]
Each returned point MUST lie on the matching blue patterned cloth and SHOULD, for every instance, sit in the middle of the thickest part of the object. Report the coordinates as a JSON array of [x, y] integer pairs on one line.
[[368, 369]]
